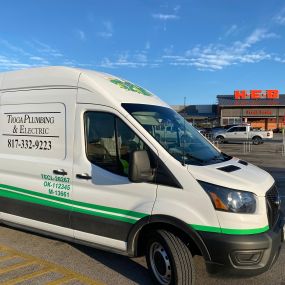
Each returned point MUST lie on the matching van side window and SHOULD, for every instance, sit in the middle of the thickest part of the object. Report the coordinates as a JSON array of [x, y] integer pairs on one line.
[[100, 140], [109, 142], [128, 142]]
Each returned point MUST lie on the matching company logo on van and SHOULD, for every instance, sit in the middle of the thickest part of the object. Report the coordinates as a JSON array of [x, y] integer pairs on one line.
[[130, 86]]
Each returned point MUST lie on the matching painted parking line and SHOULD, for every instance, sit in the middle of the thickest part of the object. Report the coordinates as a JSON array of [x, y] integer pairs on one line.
[[33, 268]]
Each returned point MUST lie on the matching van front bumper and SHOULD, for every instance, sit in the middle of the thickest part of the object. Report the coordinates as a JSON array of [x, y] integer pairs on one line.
[[243, 254]]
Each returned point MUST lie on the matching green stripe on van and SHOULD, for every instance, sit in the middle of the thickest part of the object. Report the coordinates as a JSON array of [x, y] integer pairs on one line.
[[111, 213], [66, 205], [23, 197], [77, 203], [229, 231]]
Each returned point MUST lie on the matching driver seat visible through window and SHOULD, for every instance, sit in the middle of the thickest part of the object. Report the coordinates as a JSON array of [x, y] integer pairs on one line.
[[109, 142]]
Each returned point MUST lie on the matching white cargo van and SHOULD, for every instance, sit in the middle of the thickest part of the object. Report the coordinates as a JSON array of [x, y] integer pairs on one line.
[[83, 157]]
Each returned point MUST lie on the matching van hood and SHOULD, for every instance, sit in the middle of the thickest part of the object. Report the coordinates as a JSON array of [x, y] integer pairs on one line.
[[234, 174]]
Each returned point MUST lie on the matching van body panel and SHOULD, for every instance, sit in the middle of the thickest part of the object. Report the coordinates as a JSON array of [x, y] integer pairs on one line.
[[1, 80], [36, 224], [101, 240], [31, 149], [113, 93], [252, 222], [244, 178], [108, 204], [41, 77], [179, 207]]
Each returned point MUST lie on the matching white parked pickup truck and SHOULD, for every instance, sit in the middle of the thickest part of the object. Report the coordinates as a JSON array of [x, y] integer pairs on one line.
[[243, 133]]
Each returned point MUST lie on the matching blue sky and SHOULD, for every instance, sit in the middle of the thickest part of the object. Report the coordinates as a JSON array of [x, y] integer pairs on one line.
[[176, 49]]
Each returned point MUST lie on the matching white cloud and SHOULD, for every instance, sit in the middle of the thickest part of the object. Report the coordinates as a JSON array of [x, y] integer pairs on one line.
[[231, 30], [259, 35], [107, 31], [169, 49], [105, 35], [7, 63], [165, 17], [14, 48], [141, 57], [44, 48], [176, 8], [170, 15], [213, 57], [279, 18], [107, 63], [147, 45], [108, 25], [80, 34], [38, 54], [39, 60], [130, 61]]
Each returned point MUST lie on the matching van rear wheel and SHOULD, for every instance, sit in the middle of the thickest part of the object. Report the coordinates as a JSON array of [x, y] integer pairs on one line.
[[169, 259]]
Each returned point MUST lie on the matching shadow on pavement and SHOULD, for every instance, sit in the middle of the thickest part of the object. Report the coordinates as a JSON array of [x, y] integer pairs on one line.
[[123, 265]]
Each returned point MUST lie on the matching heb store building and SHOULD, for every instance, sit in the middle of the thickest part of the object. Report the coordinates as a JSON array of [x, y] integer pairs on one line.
[[261, 109]]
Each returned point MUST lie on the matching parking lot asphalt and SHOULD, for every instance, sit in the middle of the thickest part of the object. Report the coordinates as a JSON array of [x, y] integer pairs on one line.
[[84, 265]]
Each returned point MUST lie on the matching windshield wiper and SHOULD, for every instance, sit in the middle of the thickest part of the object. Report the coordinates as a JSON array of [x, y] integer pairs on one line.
[[221, 157], [190, 156]]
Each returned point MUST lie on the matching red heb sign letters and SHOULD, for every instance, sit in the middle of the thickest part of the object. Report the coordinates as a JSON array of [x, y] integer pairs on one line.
[[256, 94]]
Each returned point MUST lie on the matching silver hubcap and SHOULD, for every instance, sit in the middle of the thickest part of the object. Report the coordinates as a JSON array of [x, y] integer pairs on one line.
[[160, 263]]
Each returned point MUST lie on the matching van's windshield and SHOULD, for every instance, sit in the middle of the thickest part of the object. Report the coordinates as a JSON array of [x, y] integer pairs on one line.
[[175, 134]]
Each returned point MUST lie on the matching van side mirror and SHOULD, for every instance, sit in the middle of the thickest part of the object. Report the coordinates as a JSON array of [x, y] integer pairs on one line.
[[139, 167]]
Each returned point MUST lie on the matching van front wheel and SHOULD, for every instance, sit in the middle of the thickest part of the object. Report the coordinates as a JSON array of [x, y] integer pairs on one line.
[[169, 259]]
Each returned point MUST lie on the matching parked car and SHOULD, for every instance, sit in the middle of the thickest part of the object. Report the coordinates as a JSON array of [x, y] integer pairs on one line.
[[216, 130], [201, 130], [243, 133]]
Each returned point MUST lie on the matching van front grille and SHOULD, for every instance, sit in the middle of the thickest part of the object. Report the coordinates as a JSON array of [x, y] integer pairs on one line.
[[273, 205]]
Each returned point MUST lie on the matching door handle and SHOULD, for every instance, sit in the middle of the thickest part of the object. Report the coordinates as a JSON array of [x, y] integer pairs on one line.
[[84, 176], [59, 172]]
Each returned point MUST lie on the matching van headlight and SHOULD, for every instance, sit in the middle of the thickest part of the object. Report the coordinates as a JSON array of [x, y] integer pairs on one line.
[[230, 200]]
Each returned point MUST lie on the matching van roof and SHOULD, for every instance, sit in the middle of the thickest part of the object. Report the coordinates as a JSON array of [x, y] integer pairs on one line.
[[111, 87], [41, 77]]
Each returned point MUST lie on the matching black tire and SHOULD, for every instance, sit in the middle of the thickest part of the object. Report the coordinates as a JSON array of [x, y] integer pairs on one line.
[[169, 260], [220, 139], [256, 140]]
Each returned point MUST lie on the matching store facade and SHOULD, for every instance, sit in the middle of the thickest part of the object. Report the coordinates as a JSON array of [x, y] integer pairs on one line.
[[199, 115], [261, 109]]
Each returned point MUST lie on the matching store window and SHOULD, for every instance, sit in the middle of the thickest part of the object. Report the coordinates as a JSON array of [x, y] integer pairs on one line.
[[231, 121]]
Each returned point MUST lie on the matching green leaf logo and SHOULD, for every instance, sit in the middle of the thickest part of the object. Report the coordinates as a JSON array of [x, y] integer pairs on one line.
[[130, 87]]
